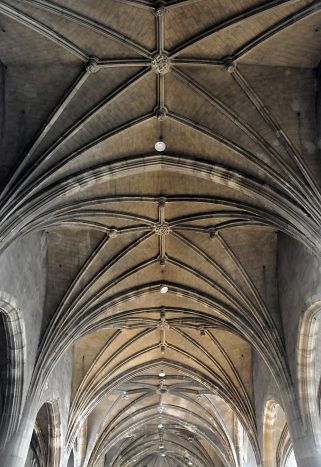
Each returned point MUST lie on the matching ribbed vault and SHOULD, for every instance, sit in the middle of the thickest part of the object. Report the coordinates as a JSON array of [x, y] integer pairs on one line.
[[88, 88]]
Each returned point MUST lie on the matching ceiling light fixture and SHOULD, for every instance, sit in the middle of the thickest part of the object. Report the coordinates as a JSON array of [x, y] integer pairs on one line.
[[162, 374], [160, 426], [163, 288], [160, 146], [163, 454]]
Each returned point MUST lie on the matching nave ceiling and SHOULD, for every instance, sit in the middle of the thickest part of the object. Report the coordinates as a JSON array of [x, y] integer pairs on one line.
[[230, 87]]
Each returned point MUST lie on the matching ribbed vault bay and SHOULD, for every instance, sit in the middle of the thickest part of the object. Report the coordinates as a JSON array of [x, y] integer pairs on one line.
[[87, 89]]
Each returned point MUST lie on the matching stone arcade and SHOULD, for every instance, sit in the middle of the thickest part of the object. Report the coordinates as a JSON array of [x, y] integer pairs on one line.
[[160, 233]]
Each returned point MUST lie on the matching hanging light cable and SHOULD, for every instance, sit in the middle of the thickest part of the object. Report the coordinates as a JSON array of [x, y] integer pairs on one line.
[[160, 145]]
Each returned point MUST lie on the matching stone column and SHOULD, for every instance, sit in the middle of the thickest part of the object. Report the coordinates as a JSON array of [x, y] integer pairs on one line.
[[307, 452], [307, 456], [15, 453]]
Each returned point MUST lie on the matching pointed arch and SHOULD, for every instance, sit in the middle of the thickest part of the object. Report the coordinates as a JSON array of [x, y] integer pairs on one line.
[[277, 443], [45, 445], [307, 383], [268, 426], [16, 357], [54, 434]]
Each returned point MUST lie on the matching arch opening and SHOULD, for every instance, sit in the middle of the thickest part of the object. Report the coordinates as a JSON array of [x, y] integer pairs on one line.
[[309, 370], [45, 444], [277, 444], [13, 346]]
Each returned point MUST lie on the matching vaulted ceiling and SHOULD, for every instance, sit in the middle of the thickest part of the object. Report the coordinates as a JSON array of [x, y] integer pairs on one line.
[[88, 87]]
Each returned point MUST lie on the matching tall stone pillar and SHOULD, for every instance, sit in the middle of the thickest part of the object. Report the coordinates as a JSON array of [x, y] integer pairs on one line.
[[307, 456], [307, 452], [15, 453]]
